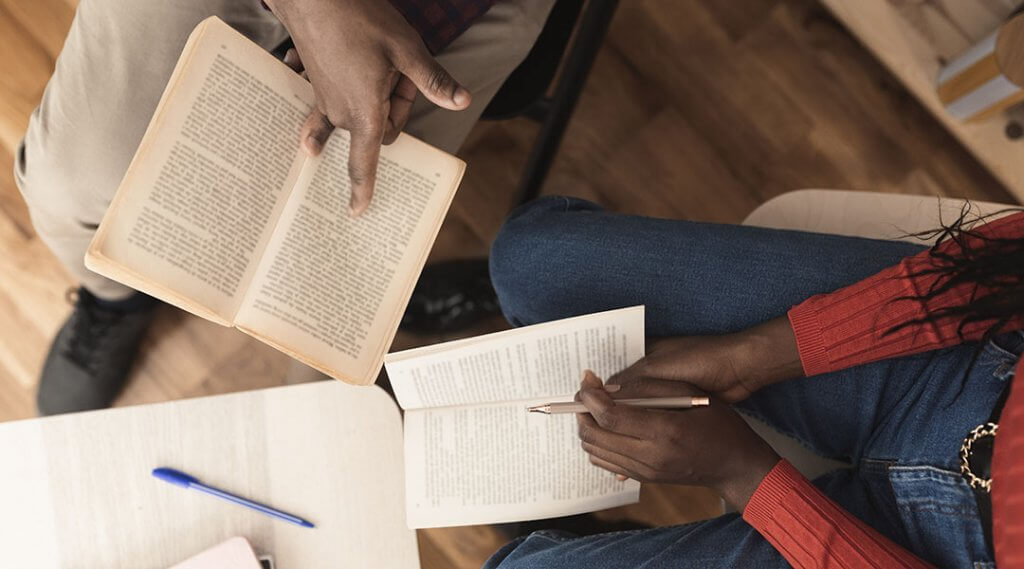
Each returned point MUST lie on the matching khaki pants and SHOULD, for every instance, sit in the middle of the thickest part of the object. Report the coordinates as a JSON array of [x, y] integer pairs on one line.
[[113, 69]]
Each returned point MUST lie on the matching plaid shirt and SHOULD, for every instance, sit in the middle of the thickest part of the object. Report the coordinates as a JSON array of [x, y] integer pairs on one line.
[[441, 21]]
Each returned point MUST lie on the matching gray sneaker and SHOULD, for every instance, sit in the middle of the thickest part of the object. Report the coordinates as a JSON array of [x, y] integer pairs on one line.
[[91, 356]]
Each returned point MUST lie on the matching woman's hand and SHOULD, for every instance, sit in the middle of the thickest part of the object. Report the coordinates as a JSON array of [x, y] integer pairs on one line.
[[366, 64], [731, 366], [705, 446]]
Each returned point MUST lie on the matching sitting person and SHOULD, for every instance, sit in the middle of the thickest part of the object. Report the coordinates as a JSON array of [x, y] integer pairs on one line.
[[887, 355], [367, 61]]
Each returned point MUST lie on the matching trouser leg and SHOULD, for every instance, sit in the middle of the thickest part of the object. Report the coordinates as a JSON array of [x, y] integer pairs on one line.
[[725, 542], [560, 257], [107, 81], [480, 59]]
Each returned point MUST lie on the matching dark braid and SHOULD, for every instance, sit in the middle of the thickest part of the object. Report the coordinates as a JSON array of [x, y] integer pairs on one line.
[[982, 262]]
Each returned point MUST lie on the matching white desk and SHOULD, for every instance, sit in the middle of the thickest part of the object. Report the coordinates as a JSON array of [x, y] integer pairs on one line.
[[76, 490]]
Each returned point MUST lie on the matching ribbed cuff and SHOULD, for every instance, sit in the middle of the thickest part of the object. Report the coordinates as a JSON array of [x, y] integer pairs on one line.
[[766, 500], [810, 342]]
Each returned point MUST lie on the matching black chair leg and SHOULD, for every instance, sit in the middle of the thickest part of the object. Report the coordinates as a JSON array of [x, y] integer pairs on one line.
[[594, 22], [452, 295]]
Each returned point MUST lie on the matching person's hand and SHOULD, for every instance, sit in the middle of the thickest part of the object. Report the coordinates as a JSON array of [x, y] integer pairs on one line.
[[705, 446], [732, 366], [365, 63]]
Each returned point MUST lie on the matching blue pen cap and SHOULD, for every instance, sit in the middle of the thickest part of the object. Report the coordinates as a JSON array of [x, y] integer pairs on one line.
[[175, 477]]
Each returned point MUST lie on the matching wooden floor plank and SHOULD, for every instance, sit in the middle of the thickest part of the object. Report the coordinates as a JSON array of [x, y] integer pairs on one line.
[[32, 285], [22, 79], [46, 21], [12, 206], [458, 547]]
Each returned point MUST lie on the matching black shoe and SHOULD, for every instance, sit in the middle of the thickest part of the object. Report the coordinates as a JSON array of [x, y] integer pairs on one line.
[[90, 358], [450, 296]]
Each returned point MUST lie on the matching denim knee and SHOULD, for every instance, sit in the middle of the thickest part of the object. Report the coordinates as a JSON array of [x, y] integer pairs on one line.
[[521, 548], [518, 246]]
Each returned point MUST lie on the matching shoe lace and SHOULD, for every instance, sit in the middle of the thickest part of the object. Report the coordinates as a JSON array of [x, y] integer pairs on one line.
[[91, 332]]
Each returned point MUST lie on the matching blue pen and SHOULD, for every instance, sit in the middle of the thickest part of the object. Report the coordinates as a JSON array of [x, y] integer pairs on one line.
[[179, 478]]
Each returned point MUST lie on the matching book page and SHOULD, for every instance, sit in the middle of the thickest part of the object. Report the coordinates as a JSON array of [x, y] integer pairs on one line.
[[498, 463], [332, 288], [203, 193], [544, 360]]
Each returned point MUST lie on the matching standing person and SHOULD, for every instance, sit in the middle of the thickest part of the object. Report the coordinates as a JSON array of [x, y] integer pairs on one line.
[[894, 358], [366, 59]]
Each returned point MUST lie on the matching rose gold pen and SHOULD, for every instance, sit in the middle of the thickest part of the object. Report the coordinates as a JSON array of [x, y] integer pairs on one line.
[[648, 403]]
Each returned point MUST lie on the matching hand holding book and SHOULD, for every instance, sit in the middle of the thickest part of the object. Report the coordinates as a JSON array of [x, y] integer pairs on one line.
[[366, 64], [221, 214]]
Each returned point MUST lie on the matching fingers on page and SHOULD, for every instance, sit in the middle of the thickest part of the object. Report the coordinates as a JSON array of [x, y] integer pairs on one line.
[[364, 153], [315, 132]]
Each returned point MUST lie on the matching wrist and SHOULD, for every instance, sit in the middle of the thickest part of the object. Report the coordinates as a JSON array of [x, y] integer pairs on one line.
[[768, 352], [738, 490]]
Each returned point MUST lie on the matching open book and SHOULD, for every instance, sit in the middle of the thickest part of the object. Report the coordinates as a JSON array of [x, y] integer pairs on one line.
[[474, 455], [222, 214]]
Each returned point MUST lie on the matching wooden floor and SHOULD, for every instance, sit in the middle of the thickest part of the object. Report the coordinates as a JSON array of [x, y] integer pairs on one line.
[[695, 109]]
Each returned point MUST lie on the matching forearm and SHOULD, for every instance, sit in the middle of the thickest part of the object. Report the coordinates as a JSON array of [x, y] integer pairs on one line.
[[810, 530], [767, 354], [738, 489]]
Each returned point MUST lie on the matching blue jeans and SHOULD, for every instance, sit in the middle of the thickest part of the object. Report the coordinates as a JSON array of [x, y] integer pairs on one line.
[[898, 422]]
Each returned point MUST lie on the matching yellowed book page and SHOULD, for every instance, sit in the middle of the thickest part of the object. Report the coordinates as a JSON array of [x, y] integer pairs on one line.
[[497, 463], [543, 360], [332, 288], [210, 178]]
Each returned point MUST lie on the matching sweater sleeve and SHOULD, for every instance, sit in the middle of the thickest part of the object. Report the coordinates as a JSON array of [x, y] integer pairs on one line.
[[849, 326], [812, 531]]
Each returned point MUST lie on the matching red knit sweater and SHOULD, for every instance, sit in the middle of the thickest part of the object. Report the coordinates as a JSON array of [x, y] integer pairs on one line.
[[846, 328]]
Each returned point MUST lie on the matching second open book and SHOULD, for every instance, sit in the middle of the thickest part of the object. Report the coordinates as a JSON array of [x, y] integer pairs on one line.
[[474, 455]]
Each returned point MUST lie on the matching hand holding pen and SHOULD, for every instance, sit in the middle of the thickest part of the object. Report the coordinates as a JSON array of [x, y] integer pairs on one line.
[[706, 446]]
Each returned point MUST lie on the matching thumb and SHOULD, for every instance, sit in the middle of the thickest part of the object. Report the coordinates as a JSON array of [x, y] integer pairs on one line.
[[292, 60], [635, 371], [590, 380], [432, 80], [315, 132]]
